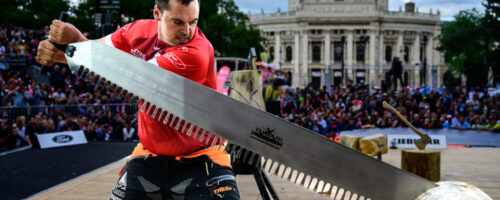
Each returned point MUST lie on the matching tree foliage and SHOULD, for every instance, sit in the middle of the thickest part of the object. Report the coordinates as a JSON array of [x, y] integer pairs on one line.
[[228, 29], [470, 45], [31, 13], [220, 20]]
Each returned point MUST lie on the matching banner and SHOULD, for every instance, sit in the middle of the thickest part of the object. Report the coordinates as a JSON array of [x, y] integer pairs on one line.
[[61, 139], [407, 141]]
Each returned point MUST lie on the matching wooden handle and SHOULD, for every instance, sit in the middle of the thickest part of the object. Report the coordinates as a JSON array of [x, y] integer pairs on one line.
[[389, 107]]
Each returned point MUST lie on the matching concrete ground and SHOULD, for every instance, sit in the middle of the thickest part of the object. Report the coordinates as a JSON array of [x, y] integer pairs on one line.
[[476, 166]]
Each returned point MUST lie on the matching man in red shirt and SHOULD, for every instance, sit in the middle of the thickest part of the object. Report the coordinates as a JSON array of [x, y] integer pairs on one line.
[[166, 164]]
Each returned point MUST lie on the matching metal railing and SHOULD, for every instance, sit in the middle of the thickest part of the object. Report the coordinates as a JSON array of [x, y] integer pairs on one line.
[[77, 110]]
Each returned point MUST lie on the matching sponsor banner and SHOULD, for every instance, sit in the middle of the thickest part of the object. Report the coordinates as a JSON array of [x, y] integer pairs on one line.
[[61, 139], [407, 141]]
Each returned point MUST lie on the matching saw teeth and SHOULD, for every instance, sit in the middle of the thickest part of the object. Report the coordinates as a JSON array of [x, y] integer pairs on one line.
[[120, 95], [288, 173], [202, 135], [281, 170], [143, 107], [155, 112], [179, 125], [307, 181], [214, 141], [245, 157], [190, 130], [313, 184], [274, 168], [88, 76]]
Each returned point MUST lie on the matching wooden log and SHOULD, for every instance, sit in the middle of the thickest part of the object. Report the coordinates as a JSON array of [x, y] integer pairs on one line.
[[350, 141], [424, 163], [246, 86], [374, 144]]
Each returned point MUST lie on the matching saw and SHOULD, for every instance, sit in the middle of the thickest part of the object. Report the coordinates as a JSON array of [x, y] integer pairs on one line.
[[280, 147]]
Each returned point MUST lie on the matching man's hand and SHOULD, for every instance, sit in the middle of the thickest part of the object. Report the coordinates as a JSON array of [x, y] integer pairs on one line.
[[64, 33], [48, 54]]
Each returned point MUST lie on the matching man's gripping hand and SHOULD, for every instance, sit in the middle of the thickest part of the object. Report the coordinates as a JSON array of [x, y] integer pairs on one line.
[[48, 54], [64, 33], [60, 33]]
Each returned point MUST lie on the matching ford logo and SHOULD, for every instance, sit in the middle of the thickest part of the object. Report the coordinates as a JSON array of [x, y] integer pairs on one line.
[[61, 139]]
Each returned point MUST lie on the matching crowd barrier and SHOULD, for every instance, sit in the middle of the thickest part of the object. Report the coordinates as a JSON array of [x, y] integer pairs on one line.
[[78, 110]]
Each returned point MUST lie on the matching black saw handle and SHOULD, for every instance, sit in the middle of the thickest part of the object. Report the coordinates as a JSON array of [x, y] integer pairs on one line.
[[63, 17]]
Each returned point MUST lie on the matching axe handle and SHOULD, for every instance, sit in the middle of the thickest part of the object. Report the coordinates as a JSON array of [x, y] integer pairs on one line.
[[389, 107]]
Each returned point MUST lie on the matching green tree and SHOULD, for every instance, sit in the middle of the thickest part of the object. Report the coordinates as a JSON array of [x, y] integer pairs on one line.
[[228, 29], [31, 14], [491, 26], [221, 21], [462, 41]]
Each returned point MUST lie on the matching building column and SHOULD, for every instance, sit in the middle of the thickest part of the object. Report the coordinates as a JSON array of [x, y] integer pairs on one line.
[[381, 52], [327, 59], [416, 60], [277, 50], [373, 41], [327, 49], [305, 47], [400, 47], [429, 57], [295, 79], [349, 56]]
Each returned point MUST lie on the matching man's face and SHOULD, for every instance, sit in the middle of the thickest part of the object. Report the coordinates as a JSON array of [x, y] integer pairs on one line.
[[176, 25]]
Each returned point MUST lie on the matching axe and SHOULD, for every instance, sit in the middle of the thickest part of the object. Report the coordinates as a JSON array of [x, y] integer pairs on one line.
[[424, 138]]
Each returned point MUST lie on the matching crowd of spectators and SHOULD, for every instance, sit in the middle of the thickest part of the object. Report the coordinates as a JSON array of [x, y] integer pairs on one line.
[[65, 103], [354, 107], [68, 103]]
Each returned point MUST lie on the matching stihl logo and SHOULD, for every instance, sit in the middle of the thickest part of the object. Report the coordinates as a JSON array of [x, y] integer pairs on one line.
[[267, 136], [176, 61]]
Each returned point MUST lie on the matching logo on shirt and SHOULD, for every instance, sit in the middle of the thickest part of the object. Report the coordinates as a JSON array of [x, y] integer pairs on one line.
[[176, 61], [138, 54]]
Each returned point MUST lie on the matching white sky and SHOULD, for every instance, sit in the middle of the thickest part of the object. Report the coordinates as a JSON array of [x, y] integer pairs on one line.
[[448, 8]]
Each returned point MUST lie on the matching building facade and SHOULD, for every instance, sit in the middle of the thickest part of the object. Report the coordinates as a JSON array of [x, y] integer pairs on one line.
[[315, 38]]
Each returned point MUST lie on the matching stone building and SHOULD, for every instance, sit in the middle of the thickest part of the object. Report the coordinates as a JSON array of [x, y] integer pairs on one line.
[[313, 37]]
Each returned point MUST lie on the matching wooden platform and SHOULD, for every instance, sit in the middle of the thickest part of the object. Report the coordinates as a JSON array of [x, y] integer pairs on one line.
[[477, 166]]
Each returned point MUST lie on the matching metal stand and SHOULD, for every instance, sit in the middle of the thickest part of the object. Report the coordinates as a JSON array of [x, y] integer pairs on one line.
[[265, 186]]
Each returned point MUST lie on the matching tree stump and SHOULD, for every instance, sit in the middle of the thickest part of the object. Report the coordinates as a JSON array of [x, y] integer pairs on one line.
[[424, 163]]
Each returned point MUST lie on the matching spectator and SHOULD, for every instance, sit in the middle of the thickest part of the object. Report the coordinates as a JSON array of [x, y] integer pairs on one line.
[[461, 124], [21, 96], [128, 131]]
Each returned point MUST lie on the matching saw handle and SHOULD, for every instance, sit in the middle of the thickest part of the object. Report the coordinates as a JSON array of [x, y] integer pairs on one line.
[[63, 17], [406, 122]]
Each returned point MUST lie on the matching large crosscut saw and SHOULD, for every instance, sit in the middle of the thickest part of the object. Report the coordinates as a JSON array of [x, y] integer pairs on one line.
[[284, 149]]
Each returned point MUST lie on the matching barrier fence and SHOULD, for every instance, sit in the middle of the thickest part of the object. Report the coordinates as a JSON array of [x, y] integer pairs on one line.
[[79, 110]]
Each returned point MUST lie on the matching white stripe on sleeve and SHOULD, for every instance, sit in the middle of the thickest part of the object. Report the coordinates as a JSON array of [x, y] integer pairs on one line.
[[153, 61], [109, 41]]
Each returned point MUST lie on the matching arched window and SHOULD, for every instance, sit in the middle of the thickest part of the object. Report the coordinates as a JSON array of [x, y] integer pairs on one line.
[[271, 54], [289, 54], [388, 53], [316, 53]]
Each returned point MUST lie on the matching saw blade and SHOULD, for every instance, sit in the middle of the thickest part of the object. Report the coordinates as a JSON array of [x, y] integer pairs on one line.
[[283, 149]]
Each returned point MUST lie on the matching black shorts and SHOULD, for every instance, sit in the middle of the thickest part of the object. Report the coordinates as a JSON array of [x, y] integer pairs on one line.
[[165, 177]]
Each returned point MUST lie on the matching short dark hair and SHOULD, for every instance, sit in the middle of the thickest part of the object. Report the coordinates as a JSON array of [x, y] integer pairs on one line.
[[163, 4]]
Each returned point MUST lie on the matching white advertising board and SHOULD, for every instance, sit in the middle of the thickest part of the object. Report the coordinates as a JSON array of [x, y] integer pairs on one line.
[[50, 140], [406, 141]]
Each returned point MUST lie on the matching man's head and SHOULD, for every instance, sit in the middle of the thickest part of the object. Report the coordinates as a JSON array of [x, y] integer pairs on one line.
[[177, 20]]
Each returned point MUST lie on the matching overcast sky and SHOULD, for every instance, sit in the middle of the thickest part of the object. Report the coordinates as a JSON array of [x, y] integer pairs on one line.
[[448, 8]]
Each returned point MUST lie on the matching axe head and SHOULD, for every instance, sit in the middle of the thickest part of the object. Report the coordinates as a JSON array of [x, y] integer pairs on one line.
[[422, 142]]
